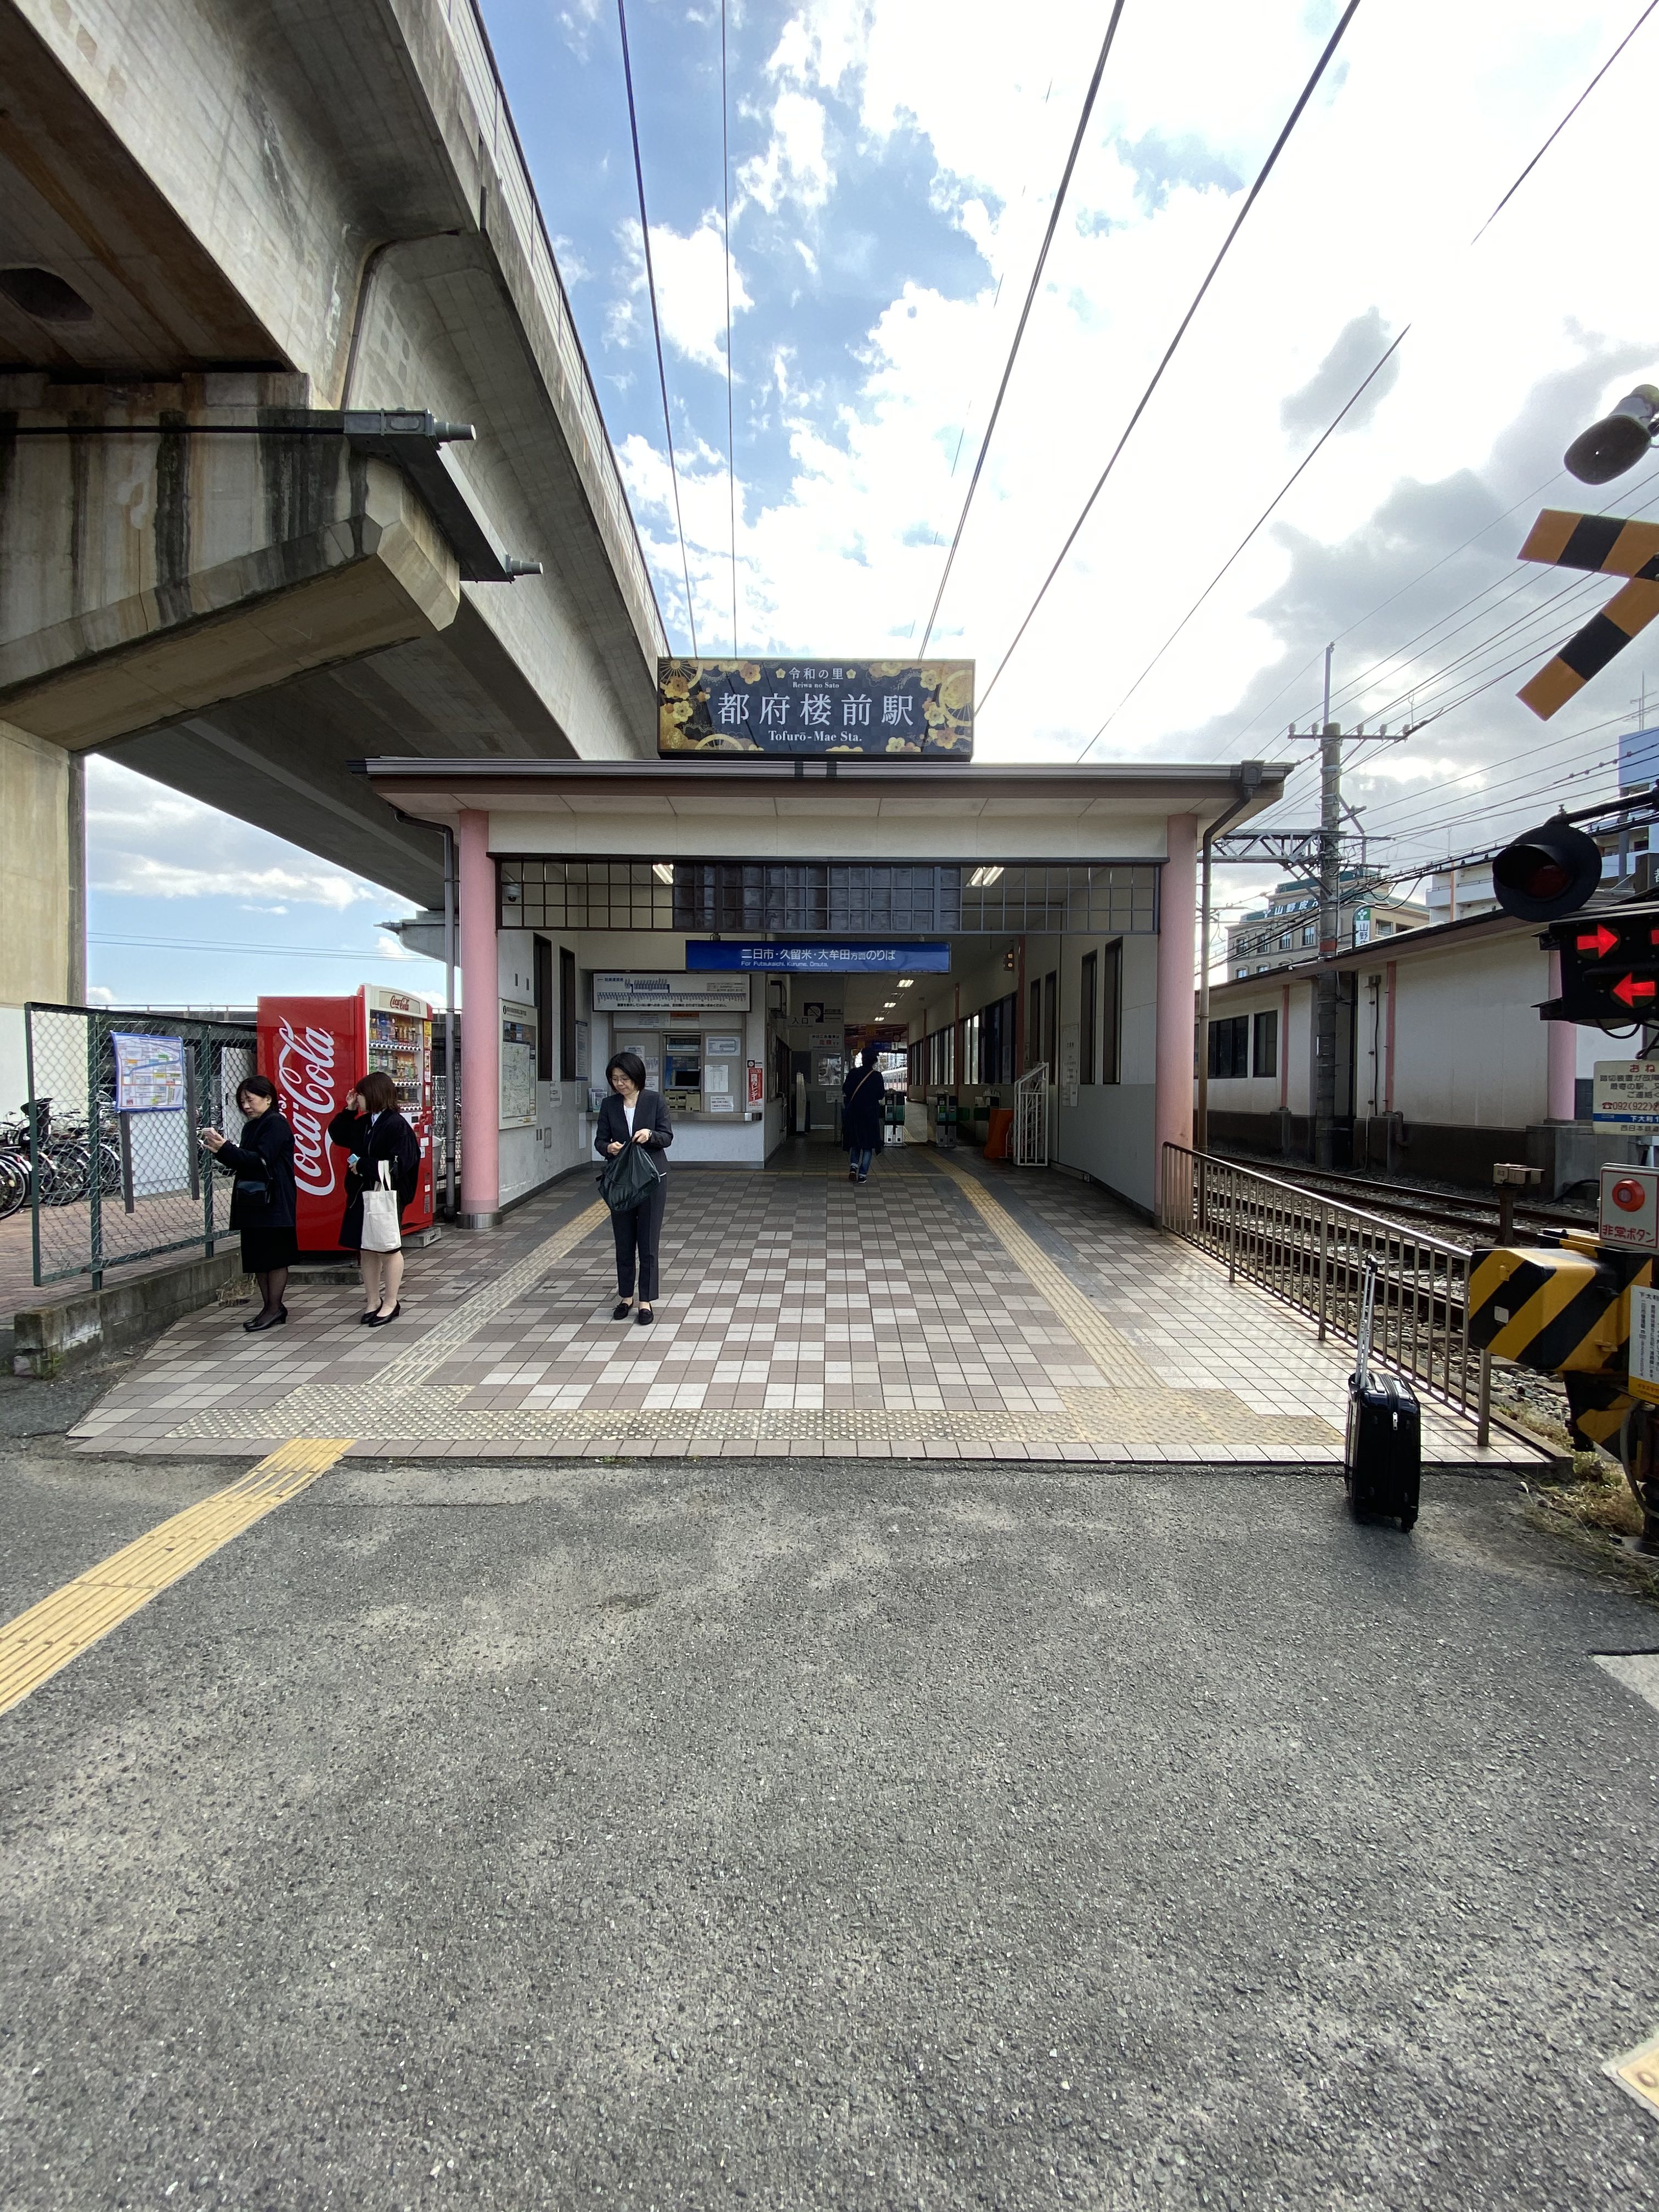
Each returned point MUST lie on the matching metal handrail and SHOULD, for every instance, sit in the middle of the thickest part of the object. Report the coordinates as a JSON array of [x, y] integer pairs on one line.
[[1031, 1117], [1311, 1251]]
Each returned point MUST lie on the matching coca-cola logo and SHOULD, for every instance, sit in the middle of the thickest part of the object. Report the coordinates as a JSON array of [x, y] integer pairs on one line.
[[305, 1076]]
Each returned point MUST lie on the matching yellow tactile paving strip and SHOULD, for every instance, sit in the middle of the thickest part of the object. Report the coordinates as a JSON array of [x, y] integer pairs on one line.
[[38, 1643], [1118, 1361]]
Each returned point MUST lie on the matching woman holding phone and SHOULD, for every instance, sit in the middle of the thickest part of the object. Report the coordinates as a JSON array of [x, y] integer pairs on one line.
[[262, 1202], [631, 1114], [371, 1129]]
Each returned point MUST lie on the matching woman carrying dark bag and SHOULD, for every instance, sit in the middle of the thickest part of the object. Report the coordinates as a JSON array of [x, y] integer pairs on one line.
[[262, 1200], [630, 1117], [375, 1136], [862, 1094]]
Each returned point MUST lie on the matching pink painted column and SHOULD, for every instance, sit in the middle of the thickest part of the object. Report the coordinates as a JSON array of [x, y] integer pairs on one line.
[[1562, 1100], [1177, 919], [481, 1025]]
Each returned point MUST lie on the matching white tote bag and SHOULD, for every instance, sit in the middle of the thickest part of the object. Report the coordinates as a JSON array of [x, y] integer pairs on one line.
[[381, 1229]]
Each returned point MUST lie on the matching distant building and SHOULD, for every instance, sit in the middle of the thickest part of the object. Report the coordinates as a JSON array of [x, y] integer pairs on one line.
[[1286, 930], [1460, 894]]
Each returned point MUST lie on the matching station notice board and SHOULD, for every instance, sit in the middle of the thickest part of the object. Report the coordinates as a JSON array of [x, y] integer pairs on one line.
[[1626, 1091]]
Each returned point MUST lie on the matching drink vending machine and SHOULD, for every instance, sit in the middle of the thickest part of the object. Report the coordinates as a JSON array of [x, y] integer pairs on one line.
[[315, 1051]]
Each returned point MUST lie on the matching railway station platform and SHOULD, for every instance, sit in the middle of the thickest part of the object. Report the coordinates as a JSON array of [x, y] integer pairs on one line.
[[946, 1309]]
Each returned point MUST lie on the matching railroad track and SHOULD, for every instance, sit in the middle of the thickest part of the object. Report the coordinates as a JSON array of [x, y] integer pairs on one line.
[[1471, 1219]]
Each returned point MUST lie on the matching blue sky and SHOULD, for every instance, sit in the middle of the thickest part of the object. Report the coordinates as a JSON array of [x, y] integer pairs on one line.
[[892, 166]]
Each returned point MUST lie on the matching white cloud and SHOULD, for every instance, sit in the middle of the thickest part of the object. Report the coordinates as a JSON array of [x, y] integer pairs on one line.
[[145, 841], [1359, 231], [795, 164]]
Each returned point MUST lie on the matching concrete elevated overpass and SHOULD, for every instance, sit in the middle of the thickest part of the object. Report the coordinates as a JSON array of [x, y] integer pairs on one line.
[[256, 264]]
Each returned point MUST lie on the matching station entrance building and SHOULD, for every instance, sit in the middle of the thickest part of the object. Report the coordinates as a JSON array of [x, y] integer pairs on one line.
[[1050, 911]]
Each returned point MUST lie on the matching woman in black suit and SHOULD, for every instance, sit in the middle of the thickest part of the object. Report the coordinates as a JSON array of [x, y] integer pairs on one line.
[[370, 1130], [262, 1202], [633, 1114]]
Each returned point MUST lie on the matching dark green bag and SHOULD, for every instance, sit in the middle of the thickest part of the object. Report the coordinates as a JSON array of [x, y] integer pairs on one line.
[[628, 1180]]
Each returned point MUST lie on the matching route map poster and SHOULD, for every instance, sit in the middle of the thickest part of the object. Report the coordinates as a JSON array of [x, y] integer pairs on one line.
[[798, 709], [149, 1073]]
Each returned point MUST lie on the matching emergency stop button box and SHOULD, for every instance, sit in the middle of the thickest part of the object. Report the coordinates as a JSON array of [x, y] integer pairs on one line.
[[1630, 1208]]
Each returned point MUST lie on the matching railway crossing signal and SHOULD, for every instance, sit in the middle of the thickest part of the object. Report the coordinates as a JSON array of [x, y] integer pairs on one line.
[[1609, 969], [1549, 872]]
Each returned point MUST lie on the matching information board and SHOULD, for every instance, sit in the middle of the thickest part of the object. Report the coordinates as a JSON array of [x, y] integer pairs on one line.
[[1626, 1091], [885, 709], [517, 1065], [1644, 1345], [637, 991], [149, 1073]]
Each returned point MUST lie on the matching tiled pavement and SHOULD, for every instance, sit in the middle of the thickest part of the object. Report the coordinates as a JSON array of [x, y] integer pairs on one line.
[[946, 1308]]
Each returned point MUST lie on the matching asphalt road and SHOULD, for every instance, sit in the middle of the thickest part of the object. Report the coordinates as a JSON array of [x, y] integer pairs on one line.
[[702, 1835]]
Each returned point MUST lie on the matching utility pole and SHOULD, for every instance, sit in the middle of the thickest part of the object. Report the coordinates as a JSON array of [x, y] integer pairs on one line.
[[1330, 910]]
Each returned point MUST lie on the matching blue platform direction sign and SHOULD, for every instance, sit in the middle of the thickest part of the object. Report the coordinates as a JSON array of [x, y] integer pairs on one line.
[[817, 957]]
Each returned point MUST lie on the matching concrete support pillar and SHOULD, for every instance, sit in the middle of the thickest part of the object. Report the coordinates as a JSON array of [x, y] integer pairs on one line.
[[1563, 1064], [481, 1026], [1178, 914], [43, 873]]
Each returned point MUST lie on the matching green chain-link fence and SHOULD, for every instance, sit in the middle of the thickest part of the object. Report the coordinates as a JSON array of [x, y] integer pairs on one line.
[[105, 1155]]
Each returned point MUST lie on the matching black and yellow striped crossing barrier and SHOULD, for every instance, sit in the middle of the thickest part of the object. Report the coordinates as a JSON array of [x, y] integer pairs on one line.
[[1606, 543], [1562, 1309]]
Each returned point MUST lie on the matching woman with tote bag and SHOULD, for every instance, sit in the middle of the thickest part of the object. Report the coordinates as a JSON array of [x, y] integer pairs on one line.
[[632, 1116], [383, 1168]]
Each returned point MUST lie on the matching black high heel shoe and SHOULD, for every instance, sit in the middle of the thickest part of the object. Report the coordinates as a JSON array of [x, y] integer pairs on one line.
[[261, 1320], [365, 1319], [382, 1320]]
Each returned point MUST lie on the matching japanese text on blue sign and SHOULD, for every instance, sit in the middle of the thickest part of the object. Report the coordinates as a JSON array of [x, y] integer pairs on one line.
[[819, 958]]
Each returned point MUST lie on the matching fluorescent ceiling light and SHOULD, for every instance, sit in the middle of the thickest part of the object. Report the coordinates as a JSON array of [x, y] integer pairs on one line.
[[889, 1005], [663, 871], [982, 877], [905, 982]]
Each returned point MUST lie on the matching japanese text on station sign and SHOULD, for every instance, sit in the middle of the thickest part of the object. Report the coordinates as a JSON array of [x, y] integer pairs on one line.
[[795, 709]]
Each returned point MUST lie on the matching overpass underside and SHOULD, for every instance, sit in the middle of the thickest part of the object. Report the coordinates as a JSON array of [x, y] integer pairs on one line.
[[257, 268]]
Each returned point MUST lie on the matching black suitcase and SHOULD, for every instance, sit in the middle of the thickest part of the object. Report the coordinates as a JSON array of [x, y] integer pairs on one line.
[[1383, 1464]]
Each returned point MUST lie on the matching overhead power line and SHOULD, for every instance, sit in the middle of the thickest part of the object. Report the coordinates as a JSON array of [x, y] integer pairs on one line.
[[656, 321], [1329, 431], [1349, 690], [1142, 403], [1562, 124], [1025, 311], [731, 440]]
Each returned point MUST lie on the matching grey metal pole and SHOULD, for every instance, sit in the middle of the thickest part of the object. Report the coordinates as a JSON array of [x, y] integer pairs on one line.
[[1330, 892], [449, 1022]]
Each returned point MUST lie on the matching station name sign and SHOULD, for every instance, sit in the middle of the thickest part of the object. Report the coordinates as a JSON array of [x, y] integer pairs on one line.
[[820, 956], [800, 710], [633, 991]]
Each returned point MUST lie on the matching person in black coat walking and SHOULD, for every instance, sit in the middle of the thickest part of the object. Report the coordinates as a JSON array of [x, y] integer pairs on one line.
[[633, 1114], [369, 1130], [262, 1200], [862, 1093]]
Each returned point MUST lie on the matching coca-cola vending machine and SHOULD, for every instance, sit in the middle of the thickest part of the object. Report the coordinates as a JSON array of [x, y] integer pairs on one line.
[[315, 1051]]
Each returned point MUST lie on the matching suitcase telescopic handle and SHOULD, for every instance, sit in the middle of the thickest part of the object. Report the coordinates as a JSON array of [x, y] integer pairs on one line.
[[1367, 1310]]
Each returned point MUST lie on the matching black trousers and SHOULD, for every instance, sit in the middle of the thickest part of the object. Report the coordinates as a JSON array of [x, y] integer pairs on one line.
[[637, 1232]]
